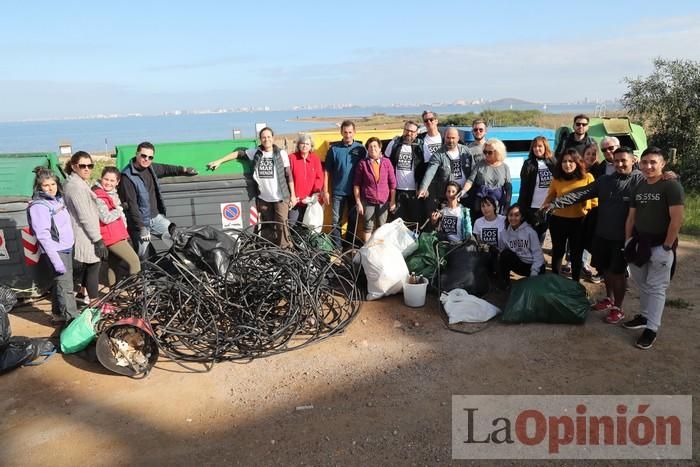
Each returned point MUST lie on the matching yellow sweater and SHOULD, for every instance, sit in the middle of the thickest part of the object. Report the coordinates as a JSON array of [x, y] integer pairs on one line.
[[559, 188]]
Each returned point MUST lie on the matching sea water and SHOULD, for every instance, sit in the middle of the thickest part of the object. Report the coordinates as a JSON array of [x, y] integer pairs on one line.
[[104, 134]]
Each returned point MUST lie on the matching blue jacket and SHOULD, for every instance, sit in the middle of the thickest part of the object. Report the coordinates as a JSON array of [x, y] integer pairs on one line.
[[136, 199], [340, 164]]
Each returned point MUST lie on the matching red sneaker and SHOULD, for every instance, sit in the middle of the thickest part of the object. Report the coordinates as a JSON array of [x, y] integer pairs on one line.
[[604, 304], [614, 316]]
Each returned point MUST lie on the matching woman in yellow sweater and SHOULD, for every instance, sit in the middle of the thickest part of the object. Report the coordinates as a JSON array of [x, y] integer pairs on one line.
[[567, 224]]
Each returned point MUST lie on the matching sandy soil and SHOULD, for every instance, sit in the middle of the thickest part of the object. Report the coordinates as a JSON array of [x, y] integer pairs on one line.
[[380, 392]]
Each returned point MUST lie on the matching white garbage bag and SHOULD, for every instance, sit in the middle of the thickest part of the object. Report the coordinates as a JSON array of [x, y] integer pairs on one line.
[[397, 234], [462, 307], [384, 268], [313, 217]]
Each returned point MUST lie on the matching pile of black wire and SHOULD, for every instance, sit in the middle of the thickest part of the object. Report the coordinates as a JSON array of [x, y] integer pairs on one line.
[[252, 300]]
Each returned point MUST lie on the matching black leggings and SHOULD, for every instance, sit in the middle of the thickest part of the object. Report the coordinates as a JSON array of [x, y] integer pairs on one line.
[[541, 227], [87, 275], [562, 229], [508, 261]]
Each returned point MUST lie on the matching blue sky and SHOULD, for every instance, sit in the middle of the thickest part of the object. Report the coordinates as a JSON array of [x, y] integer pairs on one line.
[[77, 58]]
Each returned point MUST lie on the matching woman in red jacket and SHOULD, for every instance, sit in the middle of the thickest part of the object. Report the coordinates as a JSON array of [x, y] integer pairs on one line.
[[307, 175], [113, 224]]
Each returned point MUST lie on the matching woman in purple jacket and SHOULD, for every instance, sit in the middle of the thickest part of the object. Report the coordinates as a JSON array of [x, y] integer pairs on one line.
[[51, 224], [374, 187]]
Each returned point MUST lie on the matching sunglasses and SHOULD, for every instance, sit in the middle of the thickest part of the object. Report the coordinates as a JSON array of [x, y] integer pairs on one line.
[[581, 124], [478, 129], [609, 148], [431, 120], [86, 166], [144, 156], [488, 153]]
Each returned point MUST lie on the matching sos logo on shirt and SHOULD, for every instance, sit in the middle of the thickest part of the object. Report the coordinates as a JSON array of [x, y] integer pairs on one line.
[[545, 177], [456, 168], [449, 224], [405, 161], [266, 168], [433, 148], [489, 235]]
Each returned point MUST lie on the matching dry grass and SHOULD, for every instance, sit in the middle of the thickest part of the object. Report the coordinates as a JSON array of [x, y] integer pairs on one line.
[[380, 121]]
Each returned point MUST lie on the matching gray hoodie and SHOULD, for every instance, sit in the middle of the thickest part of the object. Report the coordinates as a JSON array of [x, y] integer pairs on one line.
[[524, 242]]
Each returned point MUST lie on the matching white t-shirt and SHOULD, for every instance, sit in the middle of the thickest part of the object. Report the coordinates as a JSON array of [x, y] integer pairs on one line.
[[405, 174], [431, 145], [456, 166], [544, 178], [489, 232], [265, 175], [451, 223]]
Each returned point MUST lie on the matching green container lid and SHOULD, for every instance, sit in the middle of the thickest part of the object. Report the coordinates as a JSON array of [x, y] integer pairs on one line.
[[17, 172], [195, 154]]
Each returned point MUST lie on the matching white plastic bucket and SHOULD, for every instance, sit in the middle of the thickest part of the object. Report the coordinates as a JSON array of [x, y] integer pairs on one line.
[[414, 294]]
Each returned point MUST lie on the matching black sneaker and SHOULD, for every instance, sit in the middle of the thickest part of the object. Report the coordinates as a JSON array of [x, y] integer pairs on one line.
[[638, 322], [646, 340]]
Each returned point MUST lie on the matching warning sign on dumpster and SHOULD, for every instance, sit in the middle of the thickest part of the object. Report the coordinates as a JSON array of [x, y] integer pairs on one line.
[[231, 216], [4, 255]]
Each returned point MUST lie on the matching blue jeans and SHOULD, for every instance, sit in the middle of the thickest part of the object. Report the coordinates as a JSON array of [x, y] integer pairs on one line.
[[338, 206]]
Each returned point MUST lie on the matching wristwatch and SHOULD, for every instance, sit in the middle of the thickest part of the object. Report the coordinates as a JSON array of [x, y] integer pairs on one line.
[[667, 247]]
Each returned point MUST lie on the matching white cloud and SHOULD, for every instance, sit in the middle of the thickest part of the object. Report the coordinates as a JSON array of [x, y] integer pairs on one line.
[[566, 69]]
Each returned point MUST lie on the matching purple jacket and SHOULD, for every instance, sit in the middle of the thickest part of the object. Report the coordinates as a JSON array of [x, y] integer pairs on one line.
[[375, 192], [41, 225]]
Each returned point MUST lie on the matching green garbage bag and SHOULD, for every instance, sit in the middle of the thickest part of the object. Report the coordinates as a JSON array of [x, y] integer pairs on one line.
[[318, 240], [321, 241], [80, 332], [424, 261], [548, 298]]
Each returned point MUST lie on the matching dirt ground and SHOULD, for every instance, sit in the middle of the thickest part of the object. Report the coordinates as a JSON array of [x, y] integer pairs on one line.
[[381, 392]]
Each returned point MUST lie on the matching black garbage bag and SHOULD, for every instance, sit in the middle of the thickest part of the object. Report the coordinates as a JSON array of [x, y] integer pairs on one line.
[[8, 298], [208, 248], [5, 331], [548, 298], [21, 351], [467, 268]]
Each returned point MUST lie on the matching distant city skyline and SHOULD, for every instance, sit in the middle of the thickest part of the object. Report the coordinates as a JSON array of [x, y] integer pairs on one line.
[[340, 107], [73, 59]]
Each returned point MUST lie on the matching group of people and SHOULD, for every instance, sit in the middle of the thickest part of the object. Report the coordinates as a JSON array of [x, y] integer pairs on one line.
[[80, 225], [592, 209], [406, 180], [602, 215], [616, 215]]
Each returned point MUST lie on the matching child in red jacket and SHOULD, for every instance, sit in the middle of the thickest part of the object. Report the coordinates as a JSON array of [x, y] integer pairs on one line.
[[113, 224]]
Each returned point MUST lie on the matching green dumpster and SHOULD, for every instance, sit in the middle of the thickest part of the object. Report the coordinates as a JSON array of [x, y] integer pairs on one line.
[[222, 199], [192, 154]]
